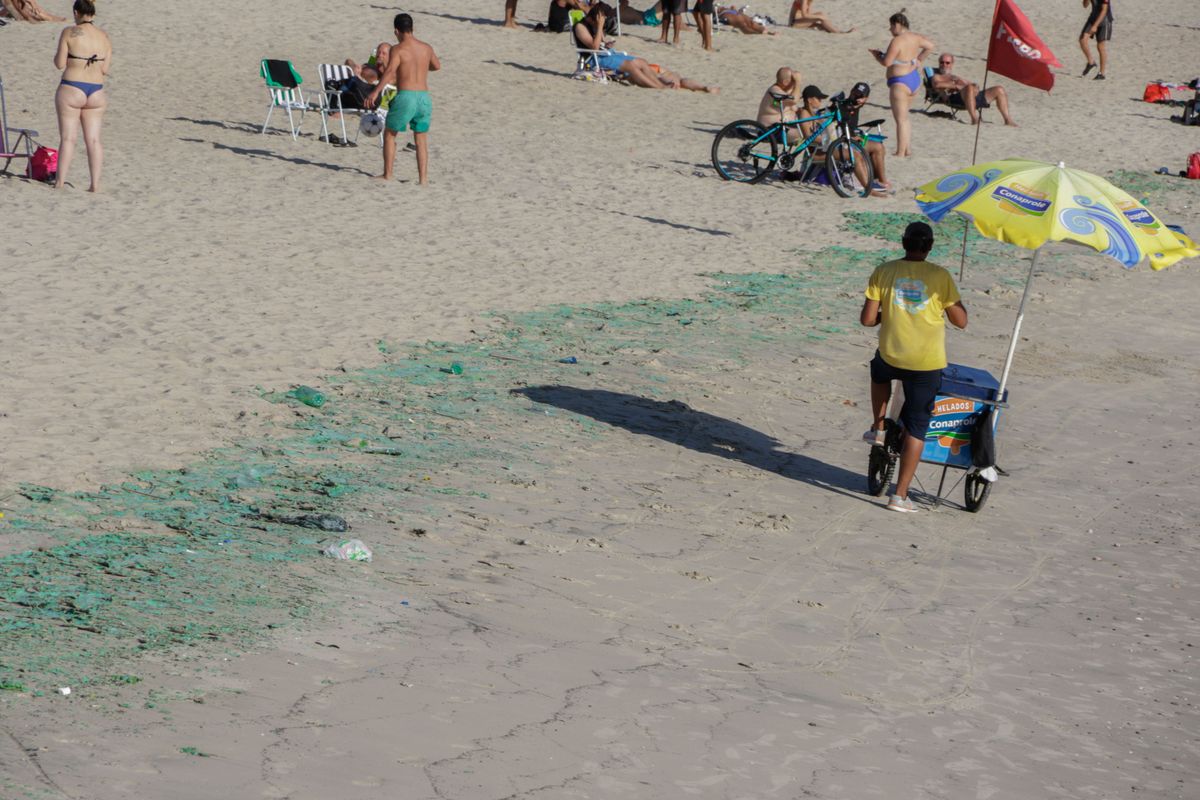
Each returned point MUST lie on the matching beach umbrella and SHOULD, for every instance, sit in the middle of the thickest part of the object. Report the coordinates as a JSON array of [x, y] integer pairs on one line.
[[1030, 203]]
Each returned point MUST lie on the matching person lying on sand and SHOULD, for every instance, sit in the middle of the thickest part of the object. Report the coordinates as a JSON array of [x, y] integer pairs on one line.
[[27, 10], [589, 35], [734, 18], [802, 16], [651, 17]]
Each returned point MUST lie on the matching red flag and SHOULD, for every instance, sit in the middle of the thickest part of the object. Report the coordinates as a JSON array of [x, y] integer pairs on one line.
[[1016, 51]]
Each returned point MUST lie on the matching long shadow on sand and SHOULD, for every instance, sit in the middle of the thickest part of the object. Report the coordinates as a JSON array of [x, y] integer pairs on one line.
[[473, 20], [270, 155], [528, 68], [677, 225], [680, 424], [245, 127]]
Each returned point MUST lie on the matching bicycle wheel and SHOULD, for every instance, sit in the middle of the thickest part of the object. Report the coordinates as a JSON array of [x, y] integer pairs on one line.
[[743, 152], [880, 466], [977, 492], [843, 160]]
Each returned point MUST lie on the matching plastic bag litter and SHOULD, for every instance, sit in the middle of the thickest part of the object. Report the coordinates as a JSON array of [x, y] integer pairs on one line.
[[348, 550]]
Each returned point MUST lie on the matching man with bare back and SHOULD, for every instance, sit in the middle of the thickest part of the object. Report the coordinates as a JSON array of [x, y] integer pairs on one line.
[[408, 68]]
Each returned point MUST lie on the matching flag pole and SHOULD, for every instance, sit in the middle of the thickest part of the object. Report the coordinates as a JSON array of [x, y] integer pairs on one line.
[[962, 261]]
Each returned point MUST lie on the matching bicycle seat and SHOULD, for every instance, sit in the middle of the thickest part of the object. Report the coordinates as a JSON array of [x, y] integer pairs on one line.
[[870, 124]]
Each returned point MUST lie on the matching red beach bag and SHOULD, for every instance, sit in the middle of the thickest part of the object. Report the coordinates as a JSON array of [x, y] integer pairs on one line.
[[44, 164], [1156, 93], [1193, 170]]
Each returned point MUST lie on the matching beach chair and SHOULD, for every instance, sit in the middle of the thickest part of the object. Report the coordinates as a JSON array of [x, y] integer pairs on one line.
[[283, 86], [587, 63], [14, 142], [935, 98], [331, 99]]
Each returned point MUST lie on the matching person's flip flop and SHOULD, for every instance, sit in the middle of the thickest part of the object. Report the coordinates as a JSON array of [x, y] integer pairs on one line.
[[1088, 69]]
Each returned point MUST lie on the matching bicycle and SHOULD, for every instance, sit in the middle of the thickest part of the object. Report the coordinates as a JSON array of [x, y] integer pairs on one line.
[[746, 152]]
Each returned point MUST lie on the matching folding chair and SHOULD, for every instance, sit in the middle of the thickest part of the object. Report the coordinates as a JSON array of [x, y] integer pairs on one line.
[[14, 140], [283, 85], [587, 62], [935, 98]]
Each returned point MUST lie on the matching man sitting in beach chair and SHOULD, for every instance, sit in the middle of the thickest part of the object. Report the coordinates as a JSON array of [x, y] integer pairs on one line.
[[374, 66], [957, 93]]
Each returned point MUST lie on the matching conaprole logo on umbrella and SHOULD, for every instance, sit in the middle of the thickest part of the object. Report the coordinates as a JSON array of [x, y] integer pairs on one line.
[[1139, 216], [1021, 199]]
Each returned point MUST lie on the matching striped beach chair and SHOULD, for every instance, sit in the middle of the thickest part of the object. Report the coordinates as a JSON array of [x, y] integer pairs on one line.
[[283, 86]]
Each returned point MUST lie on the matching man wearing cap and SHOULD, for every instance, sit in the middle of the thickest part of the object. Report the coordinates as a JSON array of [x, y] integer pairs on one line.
[[875, 149], [908, 298], [962, 92]]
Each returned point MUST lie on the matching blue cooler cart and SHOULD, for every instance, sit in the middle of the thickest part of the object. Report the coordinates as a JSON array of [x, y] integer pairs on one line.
[[967, 394]]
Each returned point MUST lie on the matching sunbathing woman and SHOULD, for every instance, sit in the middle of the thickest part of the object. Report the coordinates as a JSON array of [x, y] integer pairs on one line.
[[27, 10], [903, 60], [84, 55], [589, 35], [803, 17], [734, 18]]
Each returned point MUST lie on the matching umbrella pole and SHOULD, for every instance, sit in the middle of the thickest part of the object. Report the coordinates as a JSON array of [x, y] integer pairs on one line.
[[1012, 345], [962, 262]]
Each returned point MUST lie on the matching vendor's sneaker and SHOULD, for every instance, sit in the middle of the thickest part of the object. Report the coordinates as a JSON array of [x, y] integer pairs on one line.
[[898, 503], [873, 437]]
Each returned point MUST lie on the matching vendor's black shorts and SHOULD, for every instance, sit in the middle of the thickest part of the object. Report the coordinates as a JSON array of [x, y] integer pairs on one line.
[[674, 7], [920, 390], [1103, 33], [704, 7]]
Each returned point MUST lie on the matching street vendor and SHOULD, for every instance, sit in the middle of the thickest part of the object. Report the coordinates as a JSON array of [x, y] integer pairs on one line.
[[910, 299]]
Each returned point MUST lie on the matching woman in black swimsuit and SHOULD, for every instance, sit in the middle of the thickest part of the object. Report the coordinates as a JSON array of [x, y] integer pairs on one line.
[[84, 55]]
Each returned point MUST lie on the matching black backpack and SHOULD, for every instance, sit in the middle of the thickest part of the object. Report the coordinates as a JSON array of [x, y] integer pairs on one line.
[[983, 441]]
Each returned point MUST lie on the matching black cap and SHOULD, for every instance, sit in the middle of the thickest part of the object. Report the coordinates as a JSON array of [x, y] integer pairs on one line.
[[812, 91], [861, 89], [918, 236]]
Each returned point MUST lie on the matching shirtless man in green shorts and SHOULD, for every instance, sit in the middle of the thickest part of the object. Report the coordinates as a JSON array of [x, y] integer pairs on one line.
[[408, 68]]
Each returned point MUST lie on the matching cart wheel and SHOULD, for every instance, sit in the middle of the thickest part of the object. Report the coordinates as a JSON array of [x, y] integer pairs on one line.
[[977, 492], [880, 467]]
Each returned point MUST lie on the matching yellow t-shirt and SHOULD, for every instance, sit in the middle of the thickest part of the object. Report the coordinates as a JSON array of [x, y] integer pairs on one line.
[[912, 295]]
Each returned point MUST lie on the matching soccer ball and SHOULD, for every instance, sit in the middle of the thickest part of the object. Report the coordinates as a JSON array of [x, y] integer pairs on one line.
[[371, 124]]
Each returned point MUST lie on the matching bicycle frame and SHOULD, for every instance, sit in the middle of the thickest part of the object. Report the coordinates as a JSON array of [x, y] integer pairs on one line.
[[828, 118]]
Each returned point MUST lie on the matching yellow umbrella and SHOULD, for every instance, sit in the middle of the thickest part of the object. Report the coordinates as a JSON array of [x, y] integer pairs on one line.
[[1030, 203]]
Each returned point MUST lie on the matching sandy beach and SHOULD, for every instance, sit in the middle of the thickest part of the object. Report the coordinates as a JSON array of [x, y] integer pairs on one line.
[[653, 573]]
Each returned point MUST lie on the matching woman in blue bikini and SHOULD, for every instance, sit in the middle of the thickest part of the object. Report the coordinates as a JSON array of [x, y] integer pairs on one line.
[[84, 55], [903, 61]]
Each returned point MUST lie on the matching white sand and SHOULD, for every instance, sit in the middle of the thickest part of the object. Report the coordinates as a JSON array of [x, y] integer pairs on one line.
[[1043, 648]]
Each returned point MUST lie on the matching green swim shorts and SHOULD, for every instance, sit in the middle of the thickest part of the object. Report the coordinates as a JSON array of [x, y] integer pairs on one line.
[[410, 108]]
